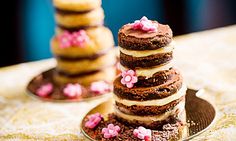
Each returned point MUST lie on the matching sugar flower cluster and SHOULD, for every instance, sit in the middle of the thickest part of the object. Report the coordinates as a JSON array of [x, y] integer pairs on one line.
[[78, 39], [145, 25]]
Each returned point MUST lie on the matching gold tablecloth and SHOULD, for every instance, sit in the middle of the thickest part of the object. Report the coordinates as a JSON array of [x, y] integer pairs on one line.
[[206, 59]]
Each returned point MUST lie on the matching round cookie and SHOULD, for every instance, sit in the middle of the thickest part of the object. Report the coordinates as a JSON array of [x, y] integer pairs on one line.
[[145, 62], [142, 93], [107, 75], [101, 39], [158, 78], [86, 65], [131, 39], [147, 110], [92, 18], [59, 29], [150, 121], [77, 5]]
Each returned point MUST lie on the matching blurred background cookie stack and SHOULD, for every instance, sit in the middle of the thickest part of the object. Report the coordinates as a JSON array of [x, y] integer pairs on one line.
[[82, 46]]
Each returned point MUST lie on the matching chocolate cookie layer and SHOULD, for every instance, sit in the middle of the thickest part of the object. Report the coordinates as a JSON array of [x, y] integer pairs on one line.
[[148, 110], [131, 39], [76, 75], [106, 74], [64, 12], [158, 78], [91, 57], [73, 29], [143, 62], [71, 59], [148, 93], [153, 125]]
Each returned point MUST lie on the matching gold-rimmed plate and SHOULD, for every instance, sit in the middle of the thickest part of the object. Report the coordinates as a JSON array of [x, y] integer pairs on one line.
[[57, 95], [200, 114]]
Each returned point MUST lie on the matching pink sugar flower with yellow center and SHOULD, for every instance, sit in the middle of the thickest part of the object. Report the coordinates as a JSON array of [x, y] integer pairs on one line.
[[111, 131], [129, 78], [94, 120], [100, 87], [145, 25], [78, 39], [44, 90], [72, 90], [143, 133]]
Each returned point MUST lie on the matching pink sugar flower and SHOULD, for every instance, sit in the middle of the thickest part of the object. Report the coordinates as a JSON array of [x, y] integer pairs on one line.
[[44, 90], [142, 133], [65, 40], [100, 87], [72, 90], [78, 38], [137, 25], [111, 131], [145, 25], [93, 121], [129, 78]]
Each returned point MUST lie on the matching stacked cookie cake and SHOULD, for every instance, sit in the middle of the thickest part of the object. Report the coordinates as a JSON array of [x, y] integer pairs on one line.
[[82, 46], [150, 92]]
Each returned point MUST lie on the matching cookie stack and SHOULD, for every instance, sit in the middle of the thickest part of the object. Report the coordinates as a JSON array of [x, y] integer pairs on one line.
[[150, 92], [82, 46]]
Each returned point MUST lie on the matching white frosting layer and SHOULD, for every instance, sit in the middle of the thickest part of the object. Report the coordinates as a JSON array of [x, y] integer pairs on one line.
[[158, 102], [150, 71], [145, 53], [149, 119]]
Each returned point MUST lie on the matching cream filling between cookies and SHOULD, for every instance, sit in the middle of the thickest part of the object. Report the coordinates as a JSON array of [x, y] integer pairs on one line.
[[158, 102], [140, 53], [75, 67], [148, 119], [150, 71]]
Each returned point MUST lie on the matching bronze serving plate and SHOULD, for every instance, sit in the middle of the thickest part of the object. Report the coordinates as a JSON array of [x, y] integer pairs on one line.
[[200, 114], [47, 76]]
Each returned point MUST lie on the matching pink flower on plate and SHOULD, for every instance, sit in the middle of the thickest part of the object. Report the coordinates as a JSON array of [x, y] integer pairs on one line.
[[111, 131], [145, 25], [44, 90], [72, 90], [78, 38], [143, 133], [65, 40], [129, 78], [100, 87], [94, 120]]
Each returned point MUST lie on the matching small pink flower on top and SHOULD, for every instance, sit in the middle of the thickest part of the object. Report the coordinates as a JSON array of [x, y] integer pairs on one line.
[[77, 39], [111, 131], [145, 25], [44, 90], [93, 121], [65, 39], [100, 87], [143, 133], [72, 90], [129, 78]]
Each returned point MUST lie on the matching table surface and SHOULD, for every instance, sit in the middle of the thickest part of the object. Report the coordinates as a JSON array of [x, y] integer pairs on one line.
[[206, 60]]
